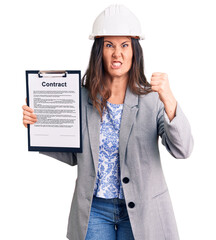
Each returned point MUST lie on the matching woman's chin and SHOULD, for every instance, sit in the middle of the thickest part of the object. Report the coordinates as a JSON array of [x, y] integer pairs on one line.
[[117, 74]]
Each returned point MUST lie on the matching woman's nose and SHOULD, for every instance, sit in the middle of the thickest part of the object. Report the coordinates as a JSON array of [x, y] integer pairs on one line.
[[117, 52]]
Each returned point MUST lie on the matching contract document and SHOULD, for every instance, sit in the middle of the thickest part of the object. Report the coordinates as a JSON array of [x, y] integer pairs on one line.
[[55, 97]]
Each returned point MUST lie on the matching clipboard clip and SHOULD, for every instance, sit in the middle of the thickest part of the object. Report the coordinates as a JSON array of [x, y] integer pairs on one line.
[[52, 73]]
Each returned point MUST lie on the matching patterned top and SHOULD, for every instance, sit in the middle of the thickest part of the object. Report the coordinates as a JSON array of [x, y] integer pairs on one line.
[[108, 183]]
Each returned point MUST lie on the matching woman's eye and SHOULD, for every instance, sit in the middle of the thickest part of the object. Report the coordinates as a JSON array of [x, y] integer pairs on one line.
[[108, 45], [125, 45]]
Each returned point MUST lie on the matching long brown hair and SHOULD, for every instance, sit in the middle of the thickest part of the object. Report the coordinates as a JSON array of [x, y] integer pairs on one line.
[[96, 83]]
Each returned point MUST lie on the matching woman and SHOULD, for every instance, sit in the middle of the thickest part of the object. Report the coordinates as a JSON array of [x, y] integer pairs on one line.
[[120, 190]]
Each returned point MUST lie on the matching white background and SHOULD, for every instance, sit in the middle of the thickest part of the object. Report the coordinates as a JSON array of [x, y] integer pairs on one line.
[[36, 191]]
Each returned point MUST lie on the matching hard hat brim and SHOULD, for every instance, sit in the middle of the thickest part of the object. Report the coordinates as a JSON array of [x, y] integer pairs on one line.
[[92, 37]]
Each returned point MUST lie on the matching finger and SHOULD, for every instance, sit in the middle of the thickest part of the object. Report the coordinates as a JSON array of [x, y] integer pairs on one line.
[[155, 88], [155, 83], [27, 108], [25, 122], [156, 74], [32, 115], [25, 117], [26, 100], [156, 78], [162, 76]]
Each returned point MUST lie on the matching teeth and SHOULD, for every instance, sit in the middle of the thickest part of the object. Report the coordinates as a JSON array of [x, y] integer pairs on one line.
[[116, 64]]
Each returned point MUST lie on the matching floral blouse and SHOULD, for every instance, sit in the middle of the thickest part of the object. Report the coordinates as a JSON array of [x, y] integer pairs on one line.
[[108, 183]]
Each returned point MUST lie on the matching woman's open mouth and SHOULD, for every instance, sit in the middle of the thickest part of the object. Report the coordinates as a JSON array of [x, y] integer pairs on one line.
[[116, 64]]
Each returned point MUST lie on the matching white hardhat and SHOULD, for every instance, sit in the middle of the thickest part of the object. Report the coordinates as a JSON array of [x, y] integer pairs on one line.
[[116, 20]]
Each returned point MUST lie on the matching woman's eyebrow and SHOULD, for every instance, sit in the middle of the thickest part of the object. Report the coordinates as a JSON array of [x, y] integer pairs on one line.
[[125, 42], [108, 41], [112, 43]]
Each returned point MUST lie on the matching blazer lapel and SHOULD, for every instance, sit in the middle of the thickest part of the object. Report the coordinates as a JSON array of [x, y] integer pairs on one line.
[[128, 116], [93, 121]]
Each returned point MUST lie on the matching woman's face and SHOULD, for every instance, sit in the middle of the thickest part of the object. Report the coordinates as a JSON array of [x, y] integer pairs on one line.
[[117, 55]]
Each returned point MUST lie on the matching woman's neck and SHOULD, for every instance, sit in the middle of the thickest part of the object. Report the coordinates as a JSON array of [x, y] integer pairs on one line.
[[118, 88]]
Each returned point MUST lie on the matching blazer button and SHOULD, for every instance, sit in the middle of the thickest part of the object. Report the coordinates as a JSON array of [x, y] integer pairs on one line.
[[125, 180], [131, 204]]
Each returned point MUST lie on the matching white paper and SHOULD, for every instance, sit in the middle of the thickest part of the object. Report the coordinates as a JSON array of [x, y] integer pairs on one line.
[[55, 101]]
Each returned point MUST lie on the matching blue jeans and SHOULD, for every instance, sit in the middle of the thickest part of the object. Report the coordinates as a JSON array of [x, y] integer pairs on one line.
[[109, 220]]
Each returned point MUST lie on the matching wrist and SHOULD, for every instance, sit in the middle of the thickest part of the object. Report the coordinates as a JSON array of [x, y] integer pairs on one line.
[[170, 105]]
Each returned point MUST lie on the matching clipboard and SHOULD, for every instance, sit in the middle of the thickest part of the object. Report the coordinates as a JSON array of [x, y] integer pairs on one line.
[[55, 97]]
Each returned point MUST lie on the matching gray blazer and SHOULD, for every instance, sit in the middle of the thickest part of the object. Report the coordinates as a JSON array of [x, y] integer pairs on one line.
[[146, 194]]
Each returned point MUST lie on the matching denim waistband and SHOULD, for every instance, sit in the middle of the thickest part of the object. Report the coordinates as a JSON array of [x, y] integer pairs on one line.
[[110, 200]]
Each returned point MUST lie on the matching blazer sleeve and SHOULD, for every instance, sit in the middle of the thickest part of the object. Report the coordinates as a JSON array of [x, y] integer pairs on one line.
[[176, 134], [66, 157]]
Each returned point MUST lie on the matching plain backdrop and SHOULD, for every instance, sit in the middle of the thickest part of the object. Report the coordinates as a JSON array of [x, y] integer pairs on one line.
[[36, 191]]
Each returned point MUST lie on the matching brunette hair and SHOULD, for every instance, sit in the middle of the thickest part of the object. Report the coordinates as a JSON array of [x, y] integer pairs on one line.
[[97, 84]]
